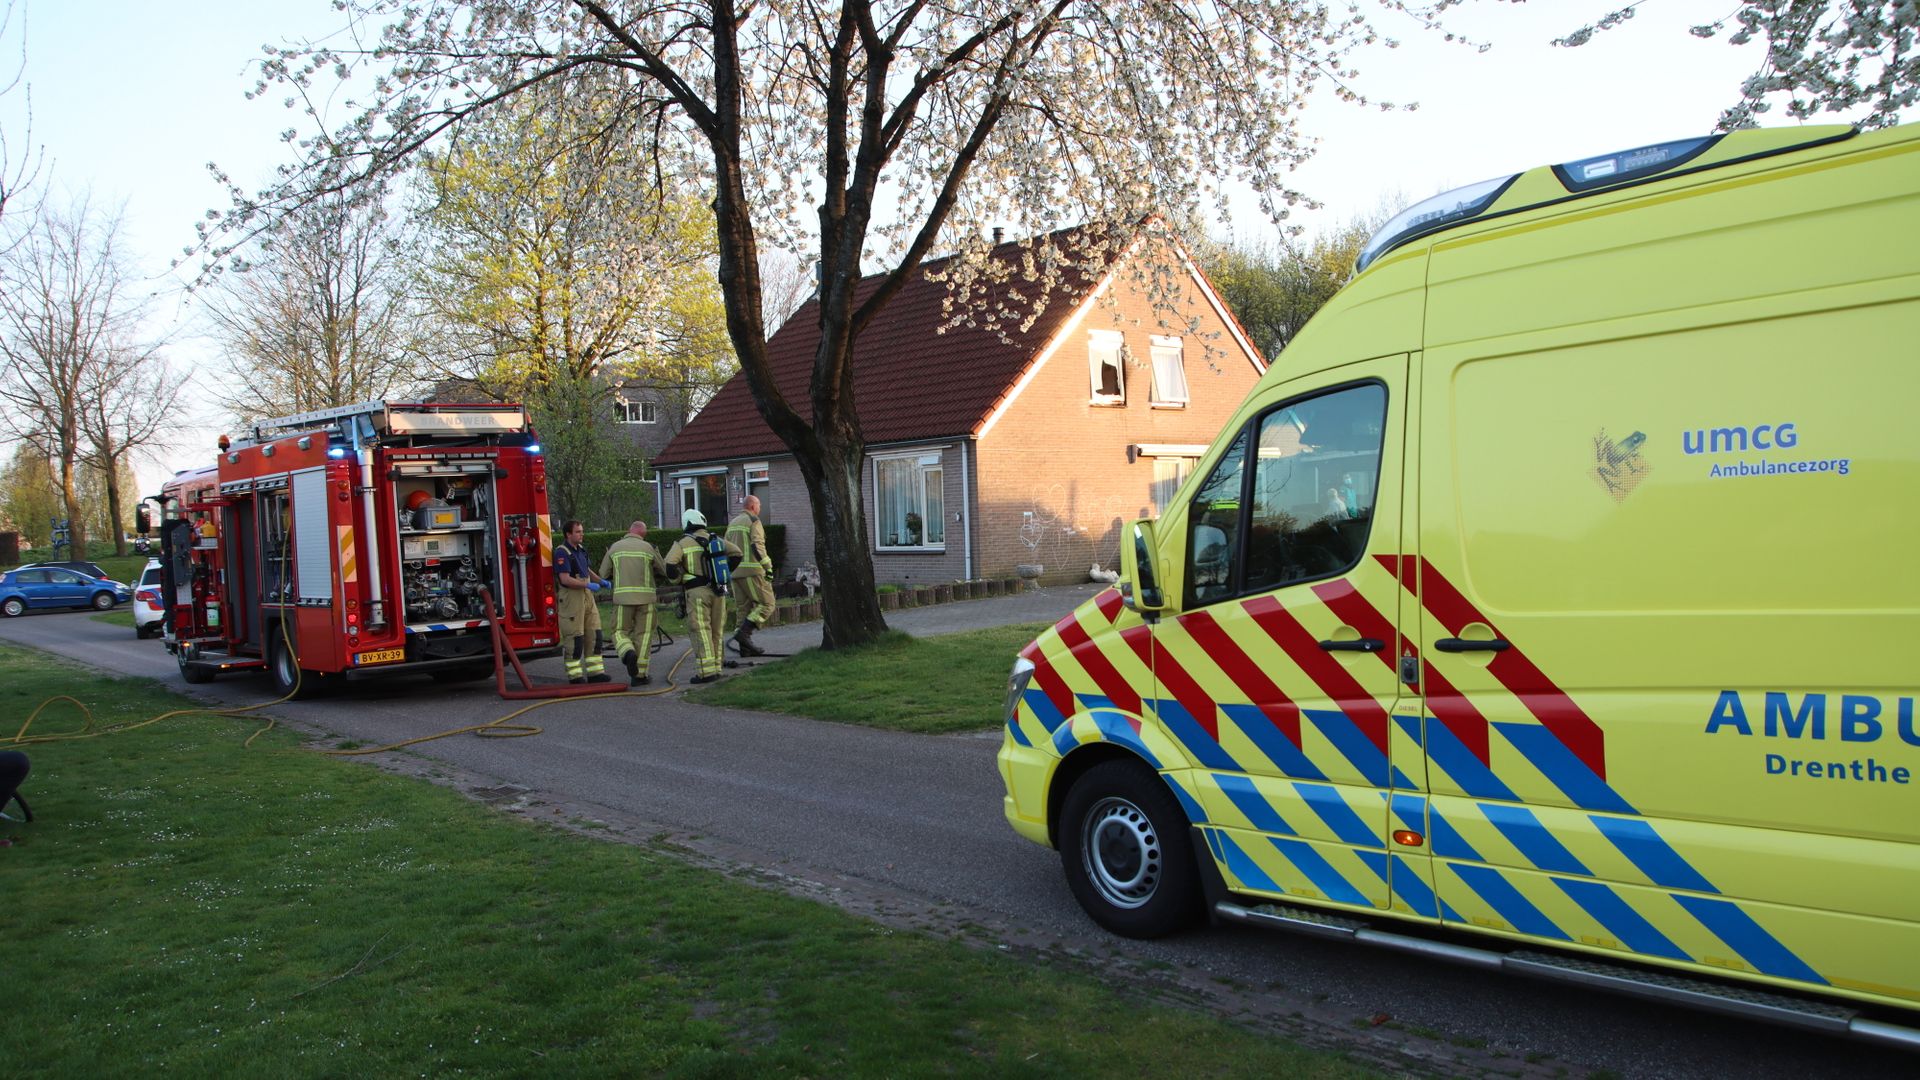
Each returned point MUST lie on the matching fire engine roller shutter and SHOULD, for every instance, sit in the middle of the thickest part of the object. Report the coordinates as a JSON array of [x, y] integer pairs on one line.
[[312, 542]]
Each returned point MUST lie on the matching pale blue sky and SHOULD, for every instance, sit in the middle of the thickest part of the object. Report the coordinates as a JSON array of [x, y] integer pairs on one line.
[[132, 99]]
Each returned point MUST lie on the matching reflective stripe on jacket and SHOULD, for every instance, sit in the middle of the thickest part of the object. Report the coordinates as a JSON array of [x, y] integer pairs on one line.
[[628, 563], [746, 533]]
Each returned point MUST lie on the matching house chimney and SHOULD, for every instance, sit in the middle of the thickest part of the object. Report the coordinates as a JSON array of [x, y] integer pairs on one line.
[[999, 234]]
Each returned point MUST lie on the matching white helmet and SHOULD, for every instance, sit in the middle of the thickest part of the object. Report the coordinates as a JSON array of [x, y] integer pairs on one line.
[[692, 519]]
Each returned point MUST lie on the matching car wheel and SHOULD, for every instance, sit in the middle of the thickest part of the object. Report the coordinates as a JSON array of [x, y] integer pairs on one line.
[[1127, 853], [194, 673], [288, 679], [13, 608], [103, 601]]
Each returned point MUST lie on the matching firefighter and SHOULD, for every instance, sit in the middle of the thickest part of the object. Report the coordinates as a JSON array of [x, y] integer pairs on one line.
[[754, 592], [629, 564], [579, 615], [706, 598]]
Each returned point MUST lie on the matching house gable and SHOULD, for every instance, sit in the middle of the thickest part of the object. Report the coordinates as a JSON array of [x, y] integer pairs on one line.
[[1061, 467], [1087, 313], [999, 433]]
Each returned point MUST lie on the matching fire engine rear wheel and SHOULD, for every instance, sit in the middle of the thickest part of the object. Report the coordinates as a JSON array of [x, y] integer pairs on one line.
[[1127, 853], [13, 608], [287, 679], [194, 673]]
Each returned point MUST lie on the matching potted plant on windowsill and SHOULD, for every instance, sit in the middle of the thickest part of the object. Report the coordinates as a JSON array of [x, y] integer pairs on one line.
[[914, 524]]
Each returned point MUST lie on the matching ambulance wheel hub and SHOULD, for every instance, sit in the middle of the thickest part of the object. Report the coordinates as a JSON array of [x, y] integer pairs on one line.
[[1122, 853]]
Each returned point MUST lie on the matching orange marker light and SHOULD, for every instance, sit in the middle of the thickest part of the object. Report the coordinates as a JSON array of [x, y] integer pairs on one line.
[[1408, 838]]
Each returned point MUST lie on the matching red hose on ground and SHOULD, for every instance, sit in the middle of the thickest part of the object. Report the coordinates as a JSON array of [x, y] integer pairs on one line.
[[503, 653]]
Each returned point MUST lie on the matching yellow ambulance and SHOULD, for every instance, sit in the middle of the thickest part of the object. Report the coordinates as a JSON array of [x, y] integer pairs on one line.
[[1548, 606]]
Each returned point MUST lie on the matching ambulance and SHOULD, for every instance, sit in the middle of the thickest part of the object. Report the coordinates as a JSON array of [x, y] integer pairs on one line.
[[1548, 605]]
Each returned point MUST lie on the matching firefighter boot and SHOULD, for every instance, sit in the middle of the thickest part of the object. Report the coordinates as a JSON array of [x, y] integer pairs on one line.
[[743, 638], [632, 660]]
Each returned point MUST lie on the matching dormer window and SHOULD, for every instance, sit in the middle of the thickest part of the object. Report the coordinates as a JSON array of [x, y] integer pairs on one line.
[[635, 412]]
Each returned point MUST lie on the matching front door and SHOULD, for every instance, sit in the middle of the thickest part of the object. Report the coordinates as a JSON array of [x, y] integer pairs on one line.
[[1279, 671]]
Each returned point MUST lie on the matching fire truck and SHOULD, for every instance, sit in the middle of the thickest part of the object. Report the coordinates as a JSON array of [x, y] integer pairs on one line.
[[355, 542]]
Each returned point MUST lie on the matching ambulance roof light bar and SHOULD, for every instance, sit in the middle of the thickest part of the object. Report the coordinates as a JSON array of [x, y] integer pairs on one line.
[[1431, 215], [1583, 176]]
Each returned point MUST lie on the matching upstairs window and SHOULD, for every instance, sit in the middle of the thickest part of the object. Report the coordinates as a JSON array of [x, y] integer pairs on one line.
[[1106, 351], [635, 412], [1169, 372]]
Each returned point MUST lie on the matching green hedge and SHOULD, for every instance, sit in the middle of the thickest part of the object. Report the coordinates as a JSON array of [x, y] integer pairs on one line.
[[663, 538]]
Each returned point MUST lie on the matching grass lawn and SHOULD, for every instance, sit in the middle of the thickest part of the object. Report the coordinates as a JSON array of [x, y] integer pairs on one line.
[[932, 685], [120, 616], [187, 904], [125, 568]]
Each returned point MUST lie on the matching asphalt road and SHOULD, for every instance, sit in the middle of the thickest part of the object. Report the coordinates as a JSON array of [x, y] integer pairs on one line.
[[908, 828]]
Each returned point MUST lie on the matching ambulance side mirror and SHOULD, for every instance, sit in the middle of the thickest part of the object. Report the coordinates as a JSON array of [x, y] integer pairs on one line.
[[1139, 574]]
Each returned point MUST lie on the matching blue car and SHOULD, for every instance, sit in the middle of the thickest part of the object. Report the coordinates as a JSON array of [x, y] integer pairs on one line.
[[57, 587]]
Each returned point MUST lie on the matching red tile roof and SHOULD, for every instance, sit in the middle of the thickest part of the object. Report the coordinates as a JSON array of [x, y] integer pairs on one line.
[[911, 381]]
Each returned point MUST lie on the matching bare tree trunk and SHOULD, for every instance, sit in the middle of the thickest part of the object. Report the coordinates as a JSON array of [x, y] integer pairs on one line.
[[830, 450], [851, 611], [70, 498], [113, 456]]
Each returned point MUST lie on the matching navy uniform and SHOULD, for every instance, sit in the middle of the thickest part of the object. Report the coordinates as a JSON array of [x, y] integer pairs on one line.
[[579, 614]]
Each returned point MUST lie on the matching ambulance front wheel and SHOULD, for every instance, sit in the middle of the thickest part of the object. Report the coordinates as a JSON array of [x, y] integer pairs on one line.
[[1127, 853]]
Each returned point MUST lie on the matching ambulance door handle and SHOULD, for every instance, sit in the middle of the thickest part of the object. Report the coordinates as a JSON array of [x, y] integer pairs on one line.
[[1365, 644], [1454, 644]]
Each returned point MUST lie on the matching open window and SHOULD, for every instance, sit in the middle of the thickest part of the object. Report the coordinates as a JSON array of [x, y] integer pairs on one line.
[[1106, 367], [1169, 373]]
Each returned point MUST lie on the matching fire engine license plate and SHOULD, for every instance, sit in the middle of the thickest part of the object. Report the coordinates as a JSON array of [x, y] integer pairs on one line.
[[383, 656]]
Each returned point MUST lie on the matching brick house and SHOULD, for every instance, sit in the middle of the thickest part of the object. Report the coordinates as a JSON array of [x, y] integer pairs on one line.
[[987, 449]]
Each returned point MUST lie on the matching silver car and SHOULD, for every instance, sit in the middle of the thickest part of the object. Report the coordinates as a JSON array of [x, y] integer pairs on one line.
[[148, 605]]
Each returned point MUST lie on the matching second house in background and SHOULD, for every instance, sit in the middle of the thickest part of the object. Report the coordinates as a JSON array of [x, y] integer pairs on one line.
[[991, 448]]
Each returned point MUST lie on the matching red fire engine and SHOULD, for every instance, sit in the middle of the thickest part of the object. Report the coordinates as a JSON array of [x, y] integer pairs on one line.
[[354, 542]]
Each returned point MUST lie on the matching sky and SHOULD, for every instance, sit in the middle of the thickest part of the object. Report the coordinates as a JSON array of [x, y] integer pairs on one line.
[[132, 98]]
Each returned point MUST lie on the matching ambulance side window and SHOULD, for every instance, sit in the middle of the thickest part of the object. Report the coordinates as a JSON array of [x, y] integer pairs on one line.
[[1215, 529], [1312, 496]]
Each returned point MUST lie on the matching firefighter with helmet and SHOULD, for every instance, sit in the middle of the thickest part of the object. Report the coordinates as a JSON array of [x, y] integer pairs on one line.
[[579, 615], [754, 576], [704, 589], [629, 564]]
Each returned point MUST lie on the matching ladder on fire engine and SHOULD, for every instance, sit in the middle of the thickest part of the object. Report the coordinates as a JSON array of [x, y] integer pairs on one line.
[[402, 418]]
